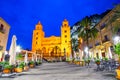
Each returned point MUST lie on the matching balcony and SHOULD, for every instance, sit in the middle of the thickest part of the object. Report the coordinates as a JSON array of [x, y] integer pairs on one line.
[[105, 40], [91, 47], [97, 44], [102, 26]]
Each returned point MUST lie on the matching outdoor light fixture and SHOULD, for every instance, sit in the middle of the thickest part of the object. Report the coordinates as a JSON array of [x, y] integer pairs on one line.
[[18, 49], [86, 49], [116, 39]]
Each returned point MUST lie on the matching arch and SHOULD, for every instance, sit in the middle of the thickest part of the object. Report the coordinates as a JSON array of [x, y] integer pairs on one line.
[[44, 50]]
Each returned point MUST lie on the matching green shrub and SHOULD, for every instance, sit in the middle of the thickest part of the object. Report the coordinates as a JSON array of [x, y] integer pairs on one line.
[[21, 65], [31, 62], [105, 58], [8, 67], [4, 63], [97, 60], [117, 49], [19, 56]]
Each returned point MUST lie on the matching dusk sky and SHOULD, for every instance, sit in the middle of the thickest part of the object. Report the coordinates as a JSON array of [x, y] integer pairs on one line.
[[23, 15]]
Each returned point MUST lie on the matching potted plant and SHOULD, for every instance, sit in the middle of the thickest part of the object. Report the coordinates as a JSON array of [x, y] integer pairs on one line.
[[117, 51], [31, 64], [105, 59], [20, 67], [97, 61], [7, 68], [87, 61], [39, 62]]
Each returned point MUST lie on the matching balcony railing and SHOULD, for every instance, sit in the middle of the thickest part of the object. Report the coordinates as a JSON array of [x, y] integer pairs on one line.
[[97, 44], [91, 47], [102, 26], [105, 40]]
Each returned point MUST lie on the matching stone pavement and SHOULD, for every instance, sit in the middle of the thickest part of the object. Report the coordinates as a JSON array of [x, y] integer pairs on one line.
[[62, 71]]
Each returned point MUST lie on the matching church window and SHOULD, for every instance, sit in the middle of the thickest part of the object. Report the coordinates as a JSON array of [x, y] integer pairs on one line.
[[65, 25], [37, 33], [1, 28], [36, 38], [65, 36], [36, 42], [65, 31], [65, 41]]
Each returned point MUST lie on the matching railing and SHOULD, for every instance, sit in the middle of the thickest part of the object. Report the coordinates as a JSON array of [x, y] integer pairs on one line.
[[105, 40], [91, 47], [97, 44], [102, 26]]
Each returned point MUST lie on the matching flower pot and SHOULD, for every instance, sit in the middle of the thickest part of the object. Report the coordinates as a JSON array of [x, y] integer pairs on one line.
[[6, 71], [98, 63], [26, 68], [31, 65], [18, 70], [118, 73]]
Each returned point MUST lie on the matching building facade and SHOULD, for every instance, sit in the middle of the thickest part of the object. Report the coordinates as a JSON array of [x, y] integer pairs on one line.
[[4, 32], [52, 46], [102, 45]]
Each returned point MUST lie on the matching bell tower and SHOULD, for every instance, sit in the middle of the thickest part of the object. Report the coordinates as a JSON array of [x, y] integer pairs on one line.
[[65, 38], [38, 35]]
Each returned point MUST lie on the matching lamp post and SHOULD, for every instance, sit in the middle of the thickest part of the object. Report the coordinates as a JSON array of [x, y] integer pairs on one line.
[[116, 39], [86, 51]]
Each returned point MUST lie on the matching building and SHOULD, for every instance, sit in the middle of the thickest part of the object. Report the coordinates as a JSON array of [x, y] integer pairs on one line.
[[4, 32], [102, 45], [52, 46]]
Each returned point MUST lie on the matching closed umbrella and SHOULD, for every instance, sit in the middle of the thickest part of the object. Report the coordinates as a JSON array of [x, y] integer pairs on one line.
[[12, 51], [26, 58]]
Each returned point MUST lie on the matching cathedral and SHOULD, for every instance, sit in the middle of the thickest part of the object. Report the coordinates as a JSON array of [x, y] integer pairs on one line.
[[52, 46]]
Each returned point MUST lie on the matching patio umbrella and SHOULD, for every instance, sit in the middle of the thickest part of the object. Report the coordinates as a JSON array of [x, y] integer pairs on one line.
[[26, 58], [12, 51]]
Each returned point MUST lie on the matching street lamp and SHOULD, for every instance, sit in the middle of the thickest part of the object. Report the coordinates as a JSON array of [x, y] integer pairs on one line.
[[87, 51], [116, 39], [18, 49]]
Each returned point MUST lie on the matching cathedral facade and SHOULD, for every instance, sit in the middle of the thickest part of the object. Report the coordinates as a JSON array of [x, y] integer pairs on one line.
[[52, 46]]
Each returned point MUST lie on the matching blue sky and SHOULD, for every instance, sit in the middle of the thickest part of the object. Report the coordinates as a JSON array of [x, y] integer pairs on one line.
[[23, 15]]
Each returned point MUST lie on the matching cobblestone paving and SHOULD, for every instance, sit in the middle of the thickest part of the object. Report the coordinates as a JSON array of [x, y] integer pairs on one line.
[[63, 71]]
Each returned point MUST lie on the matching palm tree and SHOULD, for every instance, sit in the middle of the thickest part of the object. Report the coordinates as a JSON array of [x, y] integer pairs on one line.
[[74, 46], [87, 30]]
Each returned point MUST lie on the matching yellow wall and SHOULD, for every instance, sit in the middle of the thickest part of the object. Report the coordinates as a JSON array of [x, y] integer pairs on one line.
[[48, 44]]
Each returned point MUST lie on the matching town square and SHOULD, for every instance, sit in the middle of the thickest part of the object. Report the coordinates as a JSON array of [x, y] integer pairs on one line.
[[60, 40]]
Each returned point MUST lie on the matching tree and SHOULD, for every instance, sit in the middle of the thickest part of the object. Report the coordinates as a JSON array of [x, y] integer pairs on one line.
[[87, 30], [74, 45], [117, 49]]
